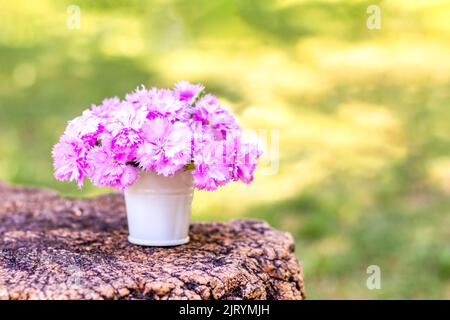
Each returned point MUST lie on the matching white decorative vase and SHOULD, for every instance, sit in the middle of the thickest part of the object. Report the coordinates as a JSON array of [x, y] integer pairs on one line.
[[159, 209]]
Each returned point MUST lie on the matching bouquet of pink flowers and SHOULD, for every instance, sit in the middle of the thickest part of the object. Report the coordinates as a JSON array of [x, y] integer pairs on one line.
[[157, 130]]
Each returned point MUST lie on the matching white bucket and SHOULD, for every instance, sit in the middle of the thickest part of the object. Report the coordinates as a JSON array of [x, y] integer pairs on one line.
[[159, 209]]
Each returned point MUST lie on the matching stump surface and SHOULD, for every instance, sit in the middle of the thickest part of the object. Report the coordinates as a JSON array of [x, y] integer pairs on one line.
[[57, 248]]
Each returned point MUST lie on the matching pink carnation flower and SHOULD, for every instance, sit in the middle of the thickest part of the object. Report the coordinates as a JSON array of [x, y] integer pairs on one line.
[[158, 130], [244, 158], [108, 106], [163, 103], [69, 157], [246, 163], [140, 98], [105, 171], [186, 91], [126, 116], [209, 112], [211, 167], [124, 145], [85, 127], [166, 147]]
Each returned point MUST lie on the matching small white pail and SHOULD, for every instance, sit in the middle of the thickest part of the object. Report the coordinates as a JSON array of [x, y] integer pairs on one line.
[[159, 209]]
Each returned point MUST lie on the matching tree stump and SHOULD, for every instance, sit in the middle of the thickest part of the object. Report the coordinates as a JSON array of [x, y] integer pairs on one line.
[[58, 248]]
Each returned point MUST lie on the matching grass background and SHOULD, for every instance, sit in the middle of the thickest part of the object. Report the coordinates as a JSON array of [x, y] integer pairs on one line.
[[363, 116]]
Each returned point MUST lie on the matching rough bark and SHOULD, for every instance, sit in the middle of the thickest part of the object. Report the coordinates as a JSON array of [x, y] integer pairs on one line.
[[57, 248]]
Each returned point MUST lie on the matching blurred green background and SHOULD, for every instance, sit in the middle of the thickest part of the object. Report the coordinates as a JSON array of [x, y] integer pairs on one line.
[[363, 116]]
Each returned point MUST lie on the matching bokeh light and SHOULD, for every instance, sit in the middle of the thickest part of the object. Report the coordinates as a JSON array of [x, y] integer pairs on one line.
[[363, 117]]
